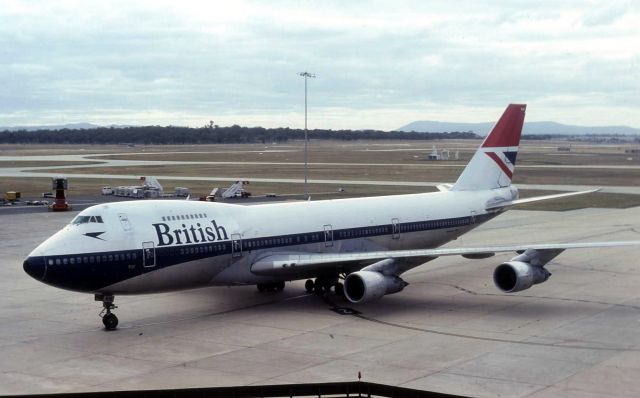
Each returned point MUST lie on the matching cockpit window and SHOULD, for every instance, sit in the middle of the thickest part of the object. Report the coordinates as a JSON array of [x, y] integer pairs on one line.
[[80, 220], [87, 219]]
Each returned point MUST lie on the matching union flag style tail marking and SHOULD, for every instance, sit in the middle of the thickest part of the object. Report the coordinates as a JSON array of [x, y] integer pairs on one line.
[[494, 162]]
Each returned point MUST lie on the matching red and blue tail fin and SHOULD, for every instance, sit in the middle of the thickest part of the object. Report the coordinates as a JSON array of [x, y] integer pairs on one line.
[[493, 164]]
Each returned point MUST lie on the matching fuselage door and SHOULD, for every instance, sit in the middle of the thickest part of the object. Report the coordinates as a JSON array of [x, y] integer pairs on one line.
[[328, 235], [236, 245], [395, 228], [148, 254], [124, 221], [472, 220]]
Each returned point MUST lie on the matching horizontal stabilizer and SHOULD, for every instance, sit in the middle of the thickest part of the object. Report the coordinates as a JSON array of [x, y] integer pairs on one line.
[[509, 203]]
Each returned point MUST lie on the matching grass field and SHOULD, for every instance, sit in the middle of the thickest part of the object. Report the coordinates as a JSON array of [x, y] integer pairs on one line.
[[361, 160], [416, 173]]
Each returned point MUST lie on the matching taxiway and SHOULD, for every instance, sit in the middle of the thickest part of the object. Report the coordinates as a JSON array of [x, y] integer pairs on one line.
[[451, 330]]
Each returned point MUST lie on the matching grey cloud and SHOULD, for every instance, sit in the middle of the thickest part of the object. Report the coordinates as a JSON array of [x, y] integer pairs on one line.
[[145, 59]]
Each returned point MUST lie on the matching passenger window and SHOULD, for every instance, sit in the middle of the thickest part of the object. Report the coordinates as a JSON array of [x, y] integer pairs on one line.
[[65, 261], [72, 260], [50, 262], [57, 261]]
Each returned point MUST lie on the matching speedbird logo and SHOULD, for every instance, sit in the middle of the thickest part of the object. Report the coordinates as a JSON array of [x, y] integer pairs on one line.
[[189, 234]]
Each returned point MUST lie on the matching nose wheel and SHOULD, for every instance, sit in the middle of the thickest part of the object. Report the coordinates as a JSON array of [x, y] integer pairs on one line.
[[109, 319]]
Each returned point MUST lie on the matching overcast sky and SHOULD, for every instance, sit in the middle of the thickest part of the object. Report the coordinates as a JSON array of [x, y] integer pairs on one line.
[[378, 64]]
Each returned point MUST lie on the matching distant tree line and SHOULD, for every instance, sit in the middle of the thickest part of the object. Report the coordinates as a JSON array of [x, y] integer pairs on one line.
[[209, 134]]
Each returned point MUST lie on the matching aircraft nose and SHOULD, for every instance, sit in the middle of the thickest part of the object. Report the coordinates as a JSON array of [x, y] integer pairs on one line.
[[35, 267]]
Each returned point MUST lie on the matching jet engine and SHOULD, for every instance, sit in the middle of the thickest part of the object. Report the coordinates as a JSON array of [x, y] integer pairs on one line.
[[365, 286], [515, 276]]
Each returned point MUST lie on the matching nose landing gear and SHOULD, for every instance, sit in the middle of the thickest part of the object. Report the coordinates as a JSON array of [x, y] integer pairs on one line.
[[109, 319]]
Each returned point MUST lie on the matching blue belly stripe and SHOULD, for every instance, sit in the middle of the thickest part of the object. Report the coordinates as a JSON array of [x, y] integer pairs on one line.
[[93, 271]]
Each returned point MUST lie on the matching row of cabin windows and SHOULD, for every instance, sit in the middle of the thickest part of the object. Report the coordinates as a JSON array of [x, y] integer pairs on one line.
[[354, 233], [433, 224], [184, 217], [105, 258], [181, 251], [253, 244], [420, 226]]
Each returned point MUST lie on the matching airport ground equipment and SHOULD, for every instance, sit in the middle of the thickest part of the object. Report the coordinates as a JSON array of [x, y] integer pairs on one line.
[[236, 190], [212, 195], [150, 188], [12, 196], [182, 192], [60, 184]]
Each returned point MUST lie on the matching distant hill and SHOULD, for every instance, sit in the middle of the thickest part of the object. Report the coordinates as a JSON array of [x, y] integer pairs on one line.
[[529, 128], [69, 126]]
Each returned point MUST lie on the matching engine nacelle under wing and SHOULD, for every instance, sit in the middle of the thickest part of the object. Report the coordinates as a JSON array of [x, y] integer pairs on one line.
[[364, 286], [515, 276]]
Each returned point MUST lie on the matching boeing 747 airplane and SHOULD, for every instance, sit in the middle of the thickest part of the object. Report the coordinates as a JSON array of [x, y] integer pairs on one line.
[[359, 247]]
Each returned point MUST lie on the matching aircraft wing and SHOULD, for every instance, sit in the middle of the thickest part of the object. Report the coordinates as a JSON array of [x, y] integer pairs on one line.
[[509, 203], [284, 264]]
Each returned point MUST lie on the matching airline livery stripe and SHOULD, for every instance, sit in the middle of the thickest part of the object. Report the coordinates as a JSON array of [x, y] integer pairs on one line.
[[500, 163], [93, 271]]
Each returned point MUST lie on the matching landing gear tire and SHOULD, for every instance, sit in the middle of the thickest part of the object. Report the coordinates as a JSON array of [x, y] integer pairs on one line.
[[110, 321], [321, 285], [280, 286], [339, 289], [262, 287], [308, 285]]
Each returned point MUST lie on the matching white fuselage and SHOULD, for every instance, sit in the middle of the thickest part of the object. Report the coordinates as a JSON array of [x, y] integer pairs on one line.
[[161, 245]]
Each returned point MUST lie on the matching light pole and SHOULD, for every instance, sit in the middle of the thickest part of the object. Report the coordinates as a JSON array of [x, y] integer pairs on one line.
[[306, 76]]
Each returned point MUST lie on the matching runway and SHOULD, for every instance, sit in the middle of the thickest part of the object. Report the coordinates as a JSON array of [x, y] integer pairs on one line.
[[450, 330]]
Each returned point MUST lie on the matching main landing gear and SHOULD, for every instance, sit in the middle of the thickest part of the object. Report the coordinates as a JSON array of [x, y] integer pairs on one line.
[[109, 319], [271, 287], [324, 285]]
